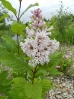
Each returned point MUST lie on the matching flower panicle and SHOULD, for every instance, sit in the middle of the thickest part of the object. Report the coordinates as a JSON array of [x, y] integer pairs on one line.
[[38, 45]]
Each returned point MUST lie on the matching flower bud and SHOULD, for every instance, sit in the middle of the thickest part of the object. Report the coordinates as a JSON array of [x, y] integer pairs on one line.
[[58, 67]]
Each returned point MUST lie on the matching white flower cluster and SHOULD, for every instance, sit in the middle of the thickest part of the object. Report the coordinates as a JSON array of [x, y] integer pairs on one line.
[[39, 46]]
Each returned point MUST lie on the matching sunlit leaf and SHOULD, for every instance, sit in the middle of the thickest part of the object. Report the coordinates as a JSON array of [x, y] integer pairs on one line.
[[13, 61], [33, 91], [3, 97], [8, 6], [30, 6], [18, 28], [4, 16]]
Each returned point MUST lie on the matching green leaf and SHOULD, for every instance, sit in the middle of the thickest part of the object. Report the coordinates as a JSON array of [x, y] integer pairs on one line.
[[19, 83], [46, 86], [17, 95], [31, 5], [13, 61], [8, 39], [37, 80], [18, 87], [53, 71], [1, 24], [14, 94], [3, 76], [5, 83], [55, 59], [25, 90], [41, 73], [3, 51], [4, 16], [8, 45], [14, 22], [3, 97], [8, 6], [33, 91], [17, 91], [18, 28]]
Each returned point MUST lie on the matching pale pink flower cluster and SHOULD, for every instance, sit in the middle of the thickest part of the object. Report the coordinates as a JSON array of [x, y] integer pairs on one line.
[[38, 45], [38, 23], [58, 67], [37, 19], [66, 56]]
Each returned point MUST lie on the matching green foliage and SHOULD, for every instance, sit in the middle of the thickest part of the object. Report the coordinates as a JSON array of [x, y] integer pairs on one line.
[[2, 51], [61, 22], [8, 39], [42, 73], [5, 83], [8, 6], [63, 19], [69, 36], [58, 59], [5, 32], [3, 97], [27, 90], [18, 28], [30, 6], [8, 44], [4, 16], [14, 61], [33, 91], [1, 24], [65, 65], [55, 59], [17, 91], [71, 71], [46, 86]]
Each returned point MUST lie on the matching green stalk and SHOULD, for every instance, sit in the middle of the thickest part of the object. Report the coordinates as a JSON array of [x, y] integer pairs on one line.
[[18, 18]]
